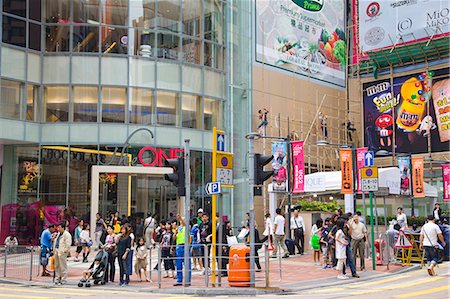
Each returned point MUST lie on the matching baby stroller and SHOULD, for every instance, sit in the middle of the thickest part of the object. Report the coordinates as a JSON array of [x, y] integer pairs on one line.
[[97, 270]]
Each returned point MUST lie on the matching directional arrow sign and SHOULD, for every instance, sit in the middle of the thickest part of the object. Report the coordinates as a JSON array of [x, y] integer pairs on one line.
[[368, 159], [213, 188], [220, 141]]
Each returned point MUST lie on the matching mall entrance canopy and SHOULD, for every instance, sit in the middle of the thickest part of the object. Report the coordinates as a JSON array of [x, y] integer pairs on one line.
[[130, 170]]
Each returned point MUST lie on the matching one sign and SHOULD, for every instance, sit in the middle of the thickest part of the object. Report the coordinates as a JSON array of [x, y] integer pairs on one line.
[[305, 37], [388, 22], [360, 164], [403, 241], [446, 180], [220, 140], [368, 159], [345, 155], [417, 176], [213, 188], [298, 163], [369, 179]]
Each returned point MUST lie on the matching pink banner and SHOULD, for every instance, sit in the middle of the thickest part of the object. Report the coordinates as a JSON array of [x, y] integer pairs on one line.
[[446, 180], [298, 162], [360, 164]]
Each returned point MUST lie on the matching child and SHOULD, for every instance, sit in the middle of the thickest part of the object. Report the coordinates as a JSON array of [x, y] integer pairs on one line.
[[341, 244], [196, 249], [141, 259], [315, 237], [86, 241], [167, 251], [324, 243], [88, 273]]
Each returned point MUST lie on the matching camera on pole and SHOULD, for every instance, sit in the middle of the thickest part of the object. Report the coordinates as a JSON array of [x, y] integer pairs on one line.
[[178, 175], [262, 175]]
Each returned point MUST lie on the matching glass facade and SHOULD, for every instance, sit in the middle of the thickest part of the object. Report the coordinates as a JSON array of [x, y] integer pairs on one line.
[[114, 50]]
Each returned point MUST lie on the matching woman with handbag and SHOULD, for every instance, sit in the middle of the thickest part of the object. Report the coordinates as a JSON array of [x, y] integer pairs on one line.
[[123, 242], [111, 248], [86, 241], [429, 236]]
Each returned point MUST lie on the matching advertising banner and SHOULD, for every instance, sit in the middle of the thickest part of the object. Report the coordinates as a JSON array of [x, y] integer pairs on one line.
[[417, 175], [415, 106], [303, 36], [298, 163], [388, 22], [21, 221], [446, 180], [405, 174], [345, 157], [279, 166], [360, 164]]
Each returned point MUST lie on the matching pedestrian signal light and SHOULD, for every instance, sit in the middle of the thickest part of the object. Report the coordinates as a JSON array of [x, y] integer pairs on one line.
[[178, 175], [262, 175]]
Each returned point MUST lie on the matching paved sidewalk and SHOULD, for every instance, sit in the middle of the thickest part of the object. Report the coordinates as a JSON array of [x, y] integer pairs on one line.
[[297, 272]]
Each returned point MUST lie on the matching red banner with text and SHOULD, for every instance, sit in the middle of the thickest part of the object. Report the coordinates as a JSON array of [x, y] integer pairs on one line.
[[346, 170]]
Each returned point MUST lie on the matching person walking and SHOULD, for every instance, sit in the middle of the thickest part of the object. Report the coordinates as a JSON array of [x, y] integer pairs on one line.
[[429, 236], [316, 232], [268, 229], [61, 249], [46, 248], [279, 237], [298, 227], [402, 220], [76, 237], [149, 230], [111, 248], [348, 249], [180, 243], [341, 244], [358, 233], [205, 240], [123, 241], [141, 259], [167, 250], [100, 227], [196, 249], [437, 212], [86, 242]]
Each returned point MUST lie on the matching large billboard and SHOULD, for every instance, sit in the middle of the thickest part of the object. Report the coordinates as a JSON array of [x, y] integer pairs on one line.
[[303, 36], [394, 22], [410, 109]]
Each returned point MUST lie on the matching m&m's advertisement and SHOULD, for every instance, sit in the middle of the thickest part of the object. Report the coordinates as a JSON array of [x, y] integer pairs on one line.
[[402, 113]]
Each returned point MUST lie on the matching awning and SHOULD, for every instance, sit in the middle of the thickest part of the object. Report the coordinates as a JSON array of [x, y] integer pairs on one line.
[[330, 181]]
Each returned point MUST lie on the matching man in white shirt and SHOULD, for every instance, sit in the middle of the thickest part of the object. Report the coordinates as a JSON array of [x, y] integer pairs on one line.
[[149, 229], [279, 236], [358, 232], [298, 227], [429, 241]]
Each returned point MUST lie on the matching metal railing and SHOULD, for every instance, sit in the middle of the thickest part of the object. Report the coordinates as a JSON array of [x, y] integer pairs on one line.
[[19, 261], [221, 271]]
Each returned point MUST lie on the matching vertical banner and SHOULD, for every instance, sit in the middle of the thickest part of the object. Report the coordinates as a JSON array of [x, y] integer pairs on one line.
[[298, 163], [360, 164], [417, 175], [405, 174], [279, 165], [345, 156], [446, 180]]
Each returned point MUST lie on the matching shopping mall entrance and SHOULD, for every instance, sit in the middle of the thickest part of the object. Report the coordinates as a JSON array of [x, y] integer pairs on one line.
[[131, 190]]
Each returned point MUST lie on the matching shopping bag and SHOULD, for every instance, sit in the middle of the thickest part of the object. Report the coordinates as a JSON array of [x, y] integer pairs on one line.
[[243, 234], [52, 263], [232, 240]]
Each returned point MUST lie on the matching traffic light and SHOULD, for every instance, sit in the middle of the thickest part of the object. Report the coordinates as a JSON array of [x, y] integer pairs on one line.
[[178, 176], [260, 174]]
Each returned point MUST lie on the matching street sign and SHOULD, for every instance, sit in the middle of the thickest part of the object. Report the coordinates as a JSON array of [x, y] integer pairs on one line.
[[224, 168], [368, 159], [224, 160], [225, 176], [403, 241], [220, 139], [369, 178], [213, 188]]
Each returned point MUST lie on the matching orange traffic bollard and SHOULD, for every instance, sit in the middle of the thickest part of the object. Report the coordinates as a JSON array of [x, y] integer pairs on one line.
[[239, 266]]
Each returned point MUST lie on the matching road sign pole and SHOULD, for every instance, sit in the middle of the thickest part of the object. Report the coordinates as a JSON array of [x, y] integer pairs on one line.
[[213, 211], [251, 183], [187, 205], [372, 232]]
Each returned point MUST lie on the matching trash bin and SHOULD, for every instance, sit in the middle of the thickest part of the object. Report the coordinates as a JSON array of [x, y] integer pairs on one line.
[[239, 266]]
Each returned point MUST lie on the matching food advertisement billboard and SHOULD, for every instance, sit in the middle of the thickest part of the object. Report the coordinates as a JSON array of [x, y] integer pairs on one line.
[[416, 107], [303, 36]]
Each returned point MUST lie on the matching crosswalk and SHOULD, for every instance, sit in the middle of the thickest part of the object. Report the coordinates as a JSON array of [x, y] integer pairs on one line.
[[416, 284]]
